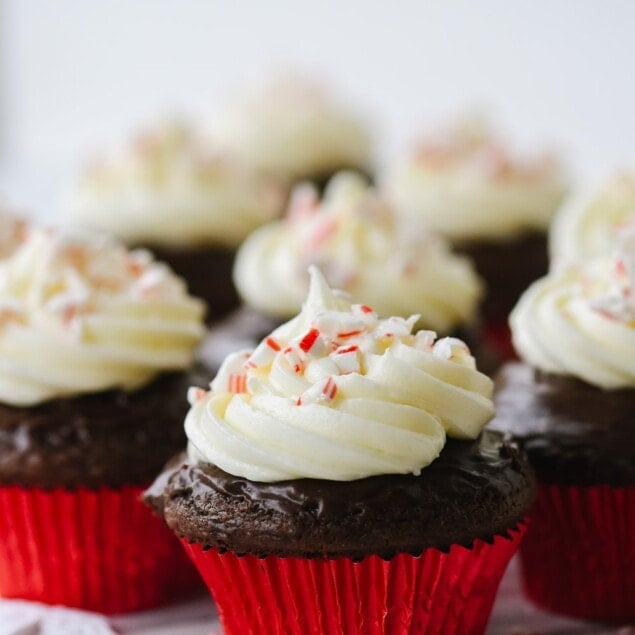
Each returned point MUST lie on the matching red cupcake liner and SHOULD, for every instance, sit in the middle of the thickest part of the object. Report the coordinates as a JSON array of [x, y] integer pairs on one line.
[[100, 550], [497, 335], [433, 594], [578, 557]]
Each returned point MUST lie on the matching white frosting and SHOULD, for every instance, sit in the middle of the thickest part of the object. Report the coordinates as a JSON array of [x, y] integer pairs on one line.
[[468, 187], [363, 247], [580, 320], [338, 394], [590, 222], [294, 129], [13, 232], [168, 189], [82, 315]]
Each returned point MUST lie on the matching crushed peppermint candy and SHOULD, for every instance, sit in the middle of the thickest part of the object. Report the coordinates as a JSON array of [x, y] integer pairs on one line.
[[70, 276], [336, 343], [614, 299]]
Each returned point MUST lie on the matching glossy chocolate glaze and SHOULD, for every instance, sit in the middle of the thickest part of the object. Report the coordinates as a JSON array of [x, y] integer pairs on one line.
[[573, 433], [508, 268], [109, 439], [208, 273], [473, 490]]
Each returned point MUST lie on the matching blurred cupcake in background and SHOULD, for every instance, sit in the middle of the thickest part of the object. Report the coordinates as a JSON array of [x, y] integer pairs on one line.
[[492, 205], [97, 345], [591, 222], [353, 234], [570, 405], [170, 192], [293, 128]]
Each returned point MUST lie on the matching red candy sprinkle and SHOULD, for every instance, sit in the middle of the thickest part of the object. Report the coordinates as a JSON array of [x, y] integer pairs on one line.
[[309, 339], [271, 343], [237, 383]]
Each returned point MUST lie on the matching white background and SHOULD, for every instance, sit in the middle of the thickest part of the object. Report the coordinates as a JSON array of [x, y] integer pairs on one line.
[[76, 75]]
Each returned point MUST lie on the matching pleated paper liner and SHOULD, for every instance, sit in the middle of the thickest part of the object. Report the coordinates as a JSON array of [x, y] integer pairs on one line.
[[100, 550], [578, 557], [435, 593]]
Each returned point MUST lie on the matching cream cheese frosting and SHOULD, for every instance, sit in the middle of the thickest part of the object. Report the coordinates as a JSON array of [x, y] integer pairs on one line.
[[466, 185], [339, 394], [80, 314], [363, 247], [169, 188], [580, 320], [293, 128], [590, 223]]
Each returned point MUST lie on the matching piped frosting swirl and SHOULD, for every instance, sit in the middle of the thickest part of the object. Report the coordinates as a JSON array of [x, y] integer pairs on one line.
[[466, 185], [80, 314], [170, 188], [364, 247], [590, 222], [580, 320], [338, 394]]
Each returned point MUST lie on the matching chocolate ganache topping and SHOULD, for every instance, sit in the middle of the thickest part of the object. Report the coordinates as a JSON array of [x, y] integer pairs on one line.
[[475, 489], [573, 433]]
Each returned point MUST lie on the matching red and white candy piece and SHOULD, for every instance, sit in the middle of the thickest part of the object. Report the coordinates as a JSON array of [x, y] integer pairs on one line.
[[264, 353], [293, 359], [424, 340], [231, 376], [312, 343], [346, 358], [396, 326], [322, 392], [338, 326]]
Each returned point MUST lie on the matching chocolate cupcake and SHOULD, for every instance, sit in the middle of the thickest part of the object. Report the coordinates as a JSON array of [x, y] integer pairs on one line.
[[354, 235], [96, 343], [591, 222], [338, 468], [293, 128], [171, 192], [492, 206], [570, 406]]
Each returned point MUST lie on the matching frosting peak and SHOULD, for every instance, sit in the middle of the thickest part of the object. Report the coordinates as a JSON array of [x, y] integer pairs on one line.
[[580, 320], [80, 314], [363, 246], [338, 393]]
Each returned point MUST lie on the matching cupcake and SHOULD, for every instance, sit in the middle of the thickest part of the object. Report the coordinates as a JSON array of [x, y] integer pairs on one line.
[[293, 128], [491, 205], [354, 235], [570, 405], [95, 343], [192, 205], [336, 480], [590, 222]]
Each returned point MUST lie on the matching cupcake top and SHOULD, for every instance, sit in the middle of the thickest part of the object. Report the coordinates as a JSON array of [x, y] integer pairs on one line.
[[338, 394], [363, 247], [168, 188], [467, 185], [580, 320], [80, 314], [295, 129], [590, 222]]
